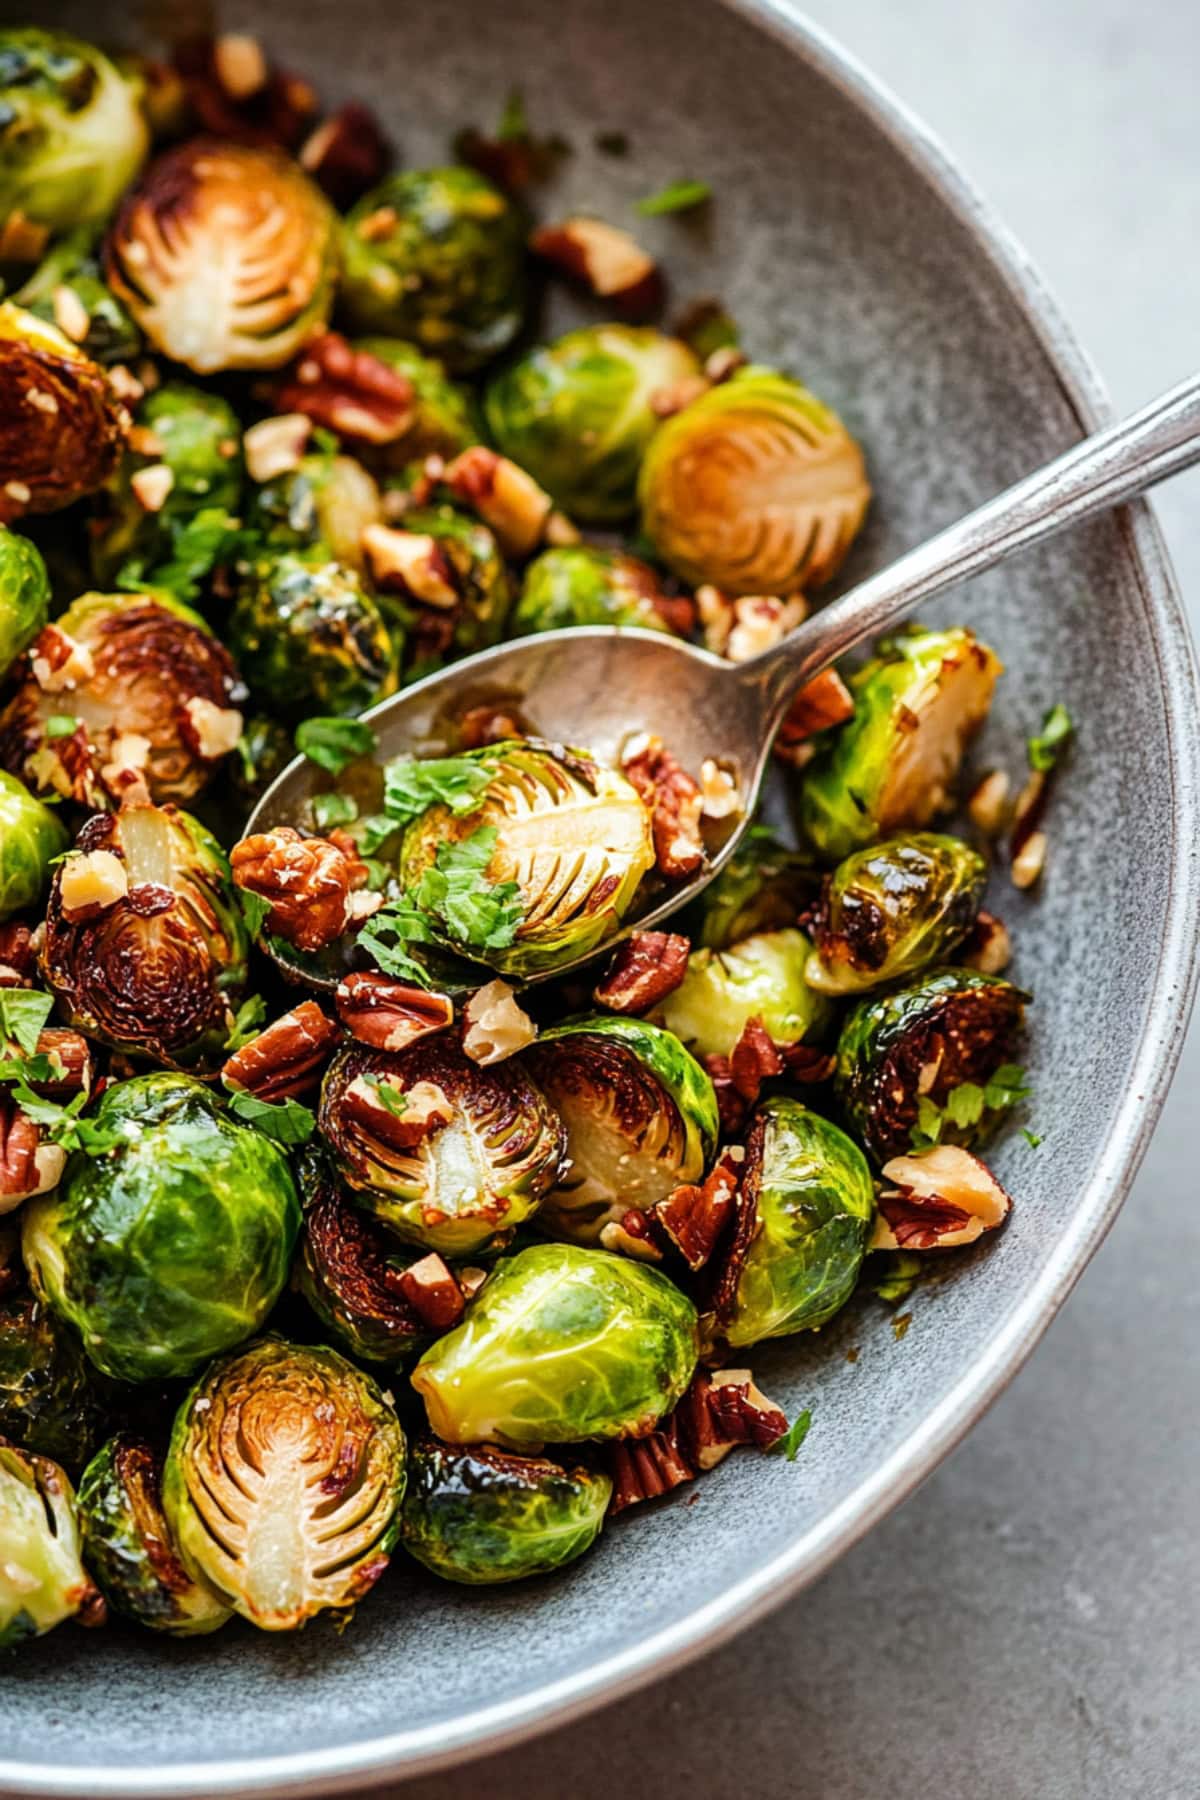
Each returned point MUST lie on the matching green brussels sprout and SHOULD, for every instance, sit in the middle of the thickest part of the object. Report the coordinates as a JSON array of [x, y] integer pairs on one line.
[[762, 887], [762, 977], [581, 585], [798, 1248], [476, 574], [916, 704], [52, 1400], [347, 1268], [172, 1245], [31, 836], [42, 1580], [284, 1480], [561, 1344], [309, 638], [129, 1548], [572, 835], [72, 135], [66, 442], [577, 413], [480, 1516], [894, 910], [465, 1158], [326, 500], [24, 596], [640, 1115], [158, 969], [446, 418], [437, 257], [907, 1051], [72, 265], [756, 487]]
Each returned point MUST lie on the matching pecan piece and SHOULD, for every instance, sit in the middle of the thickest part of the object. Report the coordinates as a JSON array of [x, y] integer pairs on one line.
[[482, 725], [70, 1057], [646, 1468], [237, 96], [508, 500], [389, 1014], [643, 970], [721, 1411], [822, 703], [350, 392], [287, 1058], [675, 802], [755, 1059], [987, 946], [633, 1234], [347, 154], [938, 1199], [28, 1164], [496, 1027], [432, 1292], [694, 1218], [307, 880], [731, 1108], [17, 955], [411, 563], [406, 1118], [606, 261]]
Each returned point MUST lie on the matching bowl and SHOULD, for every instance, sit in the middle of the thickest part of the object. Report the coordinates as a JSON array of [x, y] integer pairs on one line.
[[852, 253]]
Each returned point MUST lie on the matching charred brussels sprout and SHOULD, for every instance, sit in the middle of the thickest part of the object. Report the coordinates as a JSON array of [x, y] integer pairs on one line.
[[52, 1400], [145, 947], [448, 1154], [756, 487], [799, 1243], [42, 1580], [640, 1116], [446, 418], [130, 1548], [580, 585], [61, 425], [31, 836], [561, 1344], [326, 500], [893, 910], [916, 705], [476, 577], [577, 413], [172, 1245], [762, 977], [24, 596], [284, 1481], [309, 638], [762, 887], [73, 267], [437, 257], [483, 1516]]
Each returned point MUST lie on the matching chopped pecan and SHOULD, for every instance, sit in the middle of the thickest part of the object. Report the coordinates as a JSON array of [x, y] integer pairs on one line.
[[643, 970], [411, 563], [347, 154], [433, 1293], [287, 1059], [721, 364], [350, 392], [413, 1115], [276, 446], [675, 801], [646, 1468], [307, 880], [58, 661], [731, 1108], [938, 1200], [988, 805], [89, 882], [677, 611], [755, 1059], [823, 702], [760, 621], [632, 1235], [28, 1164], [694, 1218], [722, 1410], [987, 946], [512, 161], [70, 1057], [720, 796], [805, 1064], [237, 96], [496, 1027], [605, 260], [505, 497], [1028, 813], [388, 1014], [482, 725], [17, 955]]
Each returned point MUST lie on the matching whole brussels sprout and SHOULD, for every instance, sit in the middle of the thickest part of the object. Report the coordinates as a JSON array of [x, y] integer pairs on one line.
[[174, 1244], [640, 1115], [309, 638], [756, 487], [581, 585], [561, 1344], [158, 969], [72, 135], [480, 1516], [913, 1047], [797, 1250], [52, 1400], [577, 413], [479, 578], [72, 264], [762, 887], [446, 416], [284, 1481], [448, 1154], [893, 910], [437, 257], [326, 500], [42, 1580], [31, 836], [129, 1547], [66, 442], [762, 977], [24, 596], [916, 704]]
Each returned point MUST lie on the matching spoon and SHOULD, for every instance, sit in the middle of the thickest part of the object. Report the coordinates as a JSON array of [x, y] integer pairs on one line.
[[595, 686]]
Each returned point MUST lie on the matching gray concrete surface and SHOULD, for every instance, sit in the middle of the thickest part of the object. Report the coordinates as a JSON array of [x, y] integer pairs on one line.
[[1028, 1626]]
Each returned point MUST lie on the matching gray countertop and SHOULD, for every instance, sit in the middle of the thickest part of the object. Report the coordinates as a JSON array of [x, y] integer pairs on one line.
[[1027, 1627]]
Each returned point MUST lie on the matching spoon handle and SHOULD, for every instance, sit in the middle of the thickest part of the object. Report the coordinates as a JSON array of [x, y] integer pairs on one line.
[[1114, 465]]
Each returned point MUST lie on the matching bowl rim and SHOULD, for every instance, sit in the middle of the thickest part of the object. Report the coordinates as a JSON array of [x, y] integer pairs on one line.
[[492, 1728]]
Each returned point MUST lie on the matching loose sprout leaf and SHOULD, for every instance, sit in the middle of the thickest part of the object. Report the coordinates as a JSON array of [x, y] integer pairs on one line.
[[965, 1104], [286, 1120], [677, 196], [334, 809], [1049, 744], [903, 1273], [412, 787], [928, 1128], [23, 1013], [1031, 1137], [789, 1444], [334, 744], [1007, 1087], [388, 1095], [386, 935], [254, 910], [514, 122], [61, 725], [249, 1016], [456, 890]]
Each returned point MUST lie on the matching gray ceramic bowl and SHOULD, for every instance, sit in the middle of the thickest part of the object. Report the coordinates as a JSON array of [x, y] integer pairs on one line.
[[853, 254]]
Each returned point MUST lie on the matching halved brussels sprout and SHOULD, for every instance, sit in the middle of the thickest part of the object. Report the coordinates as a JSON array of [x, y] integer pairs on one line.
[[24, 596], [437, 257], [762, 977], [561, 1344], [42, 1580], [61, 425], [446, 417], [347, 1268], [309, 638], [174, 1244], [807, 1202], [762, 887], [31, 836], [756, 487], [476, 576], [574, 836], [918, 1044], [916, 704], [459, 1186], [582, 585], [72, 135], [480, 1516], [129, 1546], [284, 1481], [226, 255], [145, 947], [577, 413], [326, 500], [52, 1400], [893, 910], [640, 1115], [72, 266]]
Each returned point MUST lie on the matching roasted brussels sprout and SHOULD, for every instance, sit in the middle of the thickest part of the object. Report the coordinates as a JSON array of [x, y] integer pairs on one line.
[[762, 977], [581, 585], [52, 1400], [326, 500], [476, 591], [561, 1344], [446, 418], [762, 887], [31, 836], [893, 910], [61, 425], [284, 1481], [145, 947], [437, 257], [172, 1245], [72, 135], [309, 638], [68, 285], [577, 413], [908, 1051], [448, 1154], [916, 704], [640, 1115], [226, 255], [348, 1270], [129, 1545], [807, 1205], [24, 596], [479, 1516], [42, 1580], [756, 487]]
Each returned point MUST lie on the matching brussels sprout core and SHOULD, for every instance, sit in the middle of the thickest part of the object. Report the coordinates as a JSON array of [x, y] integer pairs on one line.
[[42, 1581]]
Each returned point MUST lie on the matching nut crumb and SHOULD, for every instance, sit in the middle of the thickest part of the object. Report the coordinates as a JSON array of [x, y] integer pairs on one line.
[[275, 446]]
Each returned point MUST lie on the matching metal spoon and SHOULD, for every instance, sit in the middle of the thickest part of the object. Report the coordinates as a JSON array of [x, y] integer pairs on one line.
[[594, 686]]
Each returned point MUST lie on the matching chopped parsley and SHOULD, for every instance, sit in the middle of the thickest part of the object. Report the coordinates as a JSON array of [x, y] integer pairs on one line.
[[247, 1020], [329, 810], [61, 725], [387, 935], [903, 1272], [788, 1445], [412, 786], [1050, 742], [211, 536], [285, 1120], [334, 744], [677, 196], [966, 1105], [388, 1095], [23, 1013], [456, 892], [254, 910]]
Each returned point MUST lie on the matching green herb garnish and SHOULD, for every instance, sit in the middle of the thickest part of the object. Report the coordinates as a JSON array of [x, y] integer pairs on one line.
[[334, 744], [23, 1013], [1050, 742], [411, 787], [285, 1120], [677, 196]]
